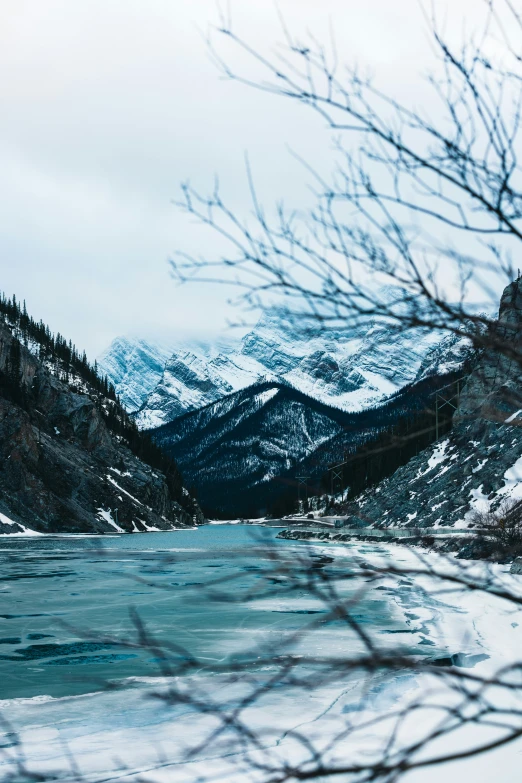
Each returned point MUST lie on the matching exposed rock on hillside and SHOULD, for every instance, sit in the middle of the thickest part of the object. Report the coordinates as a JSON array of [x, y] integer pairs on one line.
[[480, 463], [494, 391], [62, 470]]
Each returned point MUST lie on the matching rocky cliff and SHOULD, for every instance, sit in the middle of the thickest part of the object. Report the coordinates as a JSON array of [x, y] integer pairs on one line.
[[61, 467], [479, 464]]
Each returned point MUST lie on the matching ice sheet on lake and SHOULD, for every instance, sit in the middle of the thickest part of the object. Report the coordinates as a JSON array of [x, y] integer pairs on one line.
[[101, 729]]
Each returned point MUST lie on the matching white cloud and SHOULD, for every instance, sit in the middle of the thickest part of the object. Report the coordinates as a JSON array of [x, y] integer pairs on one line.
[[110, 104]]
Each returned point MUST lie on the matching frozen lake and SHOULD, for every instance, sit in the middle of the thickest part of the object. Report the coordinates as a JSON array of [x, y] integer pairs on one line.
[[65, 602], [54, 591]]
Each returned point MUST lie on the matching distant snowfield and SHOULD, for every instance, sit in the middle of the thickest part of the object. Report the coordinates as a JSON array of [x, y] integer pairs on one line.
[[106, 731]]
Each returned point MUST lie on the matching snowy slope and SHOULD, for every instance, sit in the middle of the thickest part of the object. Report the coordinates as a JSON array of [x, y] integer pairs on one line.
[[350, 369], [232, 448], [135, 367], [193, 378]]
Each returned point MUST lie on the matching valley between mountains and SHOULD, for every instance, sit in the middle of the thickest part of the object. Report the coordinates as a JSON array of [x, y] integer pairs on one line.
[[241, 423], [366, 399], [243, 418]]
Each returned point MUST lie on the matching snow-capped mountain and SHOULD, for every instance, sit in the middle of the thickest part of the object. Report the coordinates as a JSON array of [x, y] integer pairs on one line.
[[233, 448], [350, 369], [445, 356], [193, 377], [135, 367]]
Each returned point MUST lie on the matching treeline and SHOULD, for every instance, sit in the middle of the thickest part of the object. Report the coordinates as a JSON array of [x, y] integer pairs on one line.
[[11, 378], [388, 450], [69, 365], [53, 347], [378, 442]]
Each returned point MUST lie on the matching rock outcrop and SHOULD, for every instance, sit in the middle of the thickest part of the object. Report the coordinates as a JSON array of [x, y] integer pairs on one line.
[[63, 470], [494, 391], [516, 567], [479, 464]]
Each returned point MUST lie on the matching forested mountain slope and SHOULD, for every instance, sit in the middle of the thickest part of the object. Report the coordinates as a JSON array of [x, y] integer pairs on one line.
[[243, 452], [71, 460], [229, 448]]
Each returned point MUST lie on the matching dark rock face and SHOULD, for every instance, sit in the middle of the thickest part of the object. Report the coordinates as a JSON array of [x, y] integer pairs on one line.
[[475, 467], [62, 470], [516, 568], [320, 366], [494, 390]]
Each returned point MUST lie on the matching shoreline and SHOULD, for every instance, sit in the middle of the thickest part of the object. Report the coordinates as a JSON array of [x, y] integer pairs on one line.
[[463, 545]]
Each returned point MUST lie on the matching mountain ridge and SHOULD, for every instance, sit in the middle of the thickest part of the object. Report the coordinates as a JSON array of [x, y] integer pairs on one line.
[[477, 466], [242, 452], [351, 369]]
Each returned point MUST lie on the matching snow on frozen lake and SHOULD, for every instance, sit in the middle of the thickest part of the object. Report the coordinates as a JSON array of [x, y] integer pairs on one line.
[[55, 592]]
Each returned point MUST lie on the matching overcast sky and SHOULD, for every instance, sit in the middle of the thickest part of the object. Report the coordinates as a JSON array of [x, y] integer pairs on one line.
[[107, 105]]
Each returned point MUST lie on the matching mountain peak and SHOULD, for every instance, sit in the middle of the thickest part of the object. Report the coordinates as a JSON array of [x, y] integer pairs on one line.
[[135, 366], [350, 368]]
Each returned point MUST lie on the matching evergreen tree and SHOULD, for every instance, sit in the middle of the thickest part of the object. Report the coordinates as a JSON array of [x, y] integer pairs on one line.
[[69, 365]]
